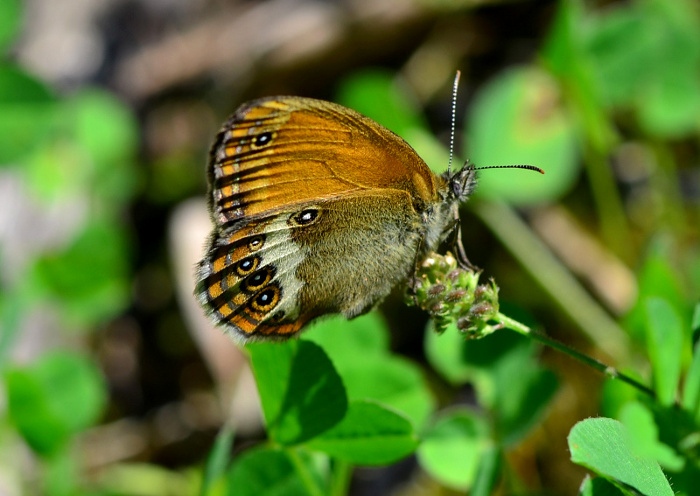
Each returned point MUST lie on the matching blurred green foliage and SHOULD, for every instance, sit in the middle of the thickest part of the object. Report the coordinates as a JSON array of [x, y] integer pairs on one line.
[[64, 150], [53, 399], [605, 78], [519, 119], [10, 18], [387, 408], [453, 448]]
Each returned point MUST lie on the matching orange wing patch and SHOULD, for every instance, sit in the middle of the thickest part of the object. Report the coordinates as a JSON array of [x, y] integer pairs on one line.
[[239, 284], [280, 153]]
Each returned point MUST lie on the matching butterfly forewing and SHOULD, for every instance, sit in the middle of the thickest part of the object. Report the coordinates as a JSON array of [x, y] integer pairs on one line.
[[287, 151]]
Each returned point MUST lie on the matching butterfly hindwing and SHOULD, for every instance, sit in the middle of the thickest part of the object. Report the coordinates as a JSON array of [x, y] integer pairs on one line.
[[247, 278], [339, 256]]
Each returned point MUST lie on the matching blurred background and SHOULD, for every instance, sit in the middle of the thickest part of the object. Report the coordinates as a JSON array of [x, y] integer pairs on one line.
[[115, 383]]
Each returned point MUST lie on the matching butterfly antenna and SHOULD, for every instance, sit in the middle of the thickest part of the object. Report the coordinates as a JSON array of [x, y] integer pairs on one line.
[[455, 85], [528, 167]]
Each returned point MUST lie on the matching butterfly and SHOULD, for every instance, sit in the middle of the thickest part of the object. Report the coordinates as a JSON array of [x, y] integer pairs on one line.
[[316, 209]]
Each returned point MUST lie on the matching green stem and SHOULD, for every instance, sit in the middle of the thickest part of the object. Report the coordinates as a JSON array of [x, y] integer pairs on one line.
[[666, 187], [611, 213], [488, 471], [609, 371], [554, 278], [218, 459], [340, 478], [306, 478], [599, 141]]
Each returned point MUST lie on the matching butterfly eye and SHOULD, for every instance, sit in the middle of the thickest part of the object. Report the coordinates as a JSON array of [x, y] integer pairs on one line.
[[247, 265], [305, 217], [258, 279], [262, 139], [266, 300]]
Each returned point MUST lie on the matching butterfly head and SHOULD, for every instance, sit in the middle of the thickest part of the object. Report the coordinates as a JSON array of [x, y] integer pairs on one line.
[[461, 183]]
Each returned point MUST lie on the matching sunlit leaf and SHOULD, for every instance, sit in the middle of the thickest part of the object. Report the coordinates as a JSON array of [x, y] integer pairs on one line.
[[602, 445], [599, 487], [644, 438], [665, 345], [453, 447], [301, 393], [369, 434], [269, 472], [359, 349], [350, 341]]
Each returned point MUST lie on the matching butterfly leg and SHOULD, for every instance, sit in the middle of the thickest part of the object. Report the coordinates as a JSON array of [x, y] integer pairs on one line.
[[458, 247], [413, 279]]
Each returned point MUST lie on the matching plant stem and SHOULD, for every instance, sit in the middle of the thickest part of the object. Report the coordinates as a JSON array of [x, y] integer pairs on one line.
[[609, 371], [611, 212], [340, 478], [306, 478], [489, 469], [554, 278], [218, 459]]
